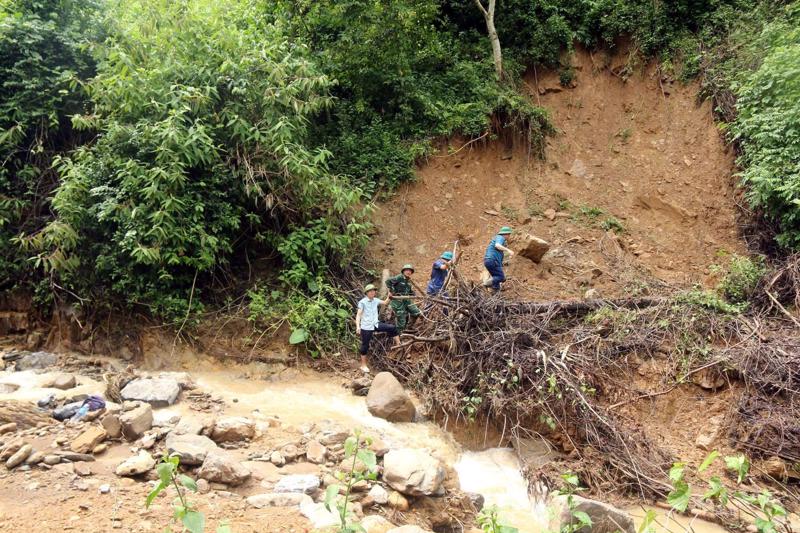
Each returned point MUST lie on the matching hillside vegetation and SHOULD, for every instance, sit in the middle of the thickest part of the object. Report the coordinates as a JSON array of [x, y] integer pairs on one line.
[[164, 155]]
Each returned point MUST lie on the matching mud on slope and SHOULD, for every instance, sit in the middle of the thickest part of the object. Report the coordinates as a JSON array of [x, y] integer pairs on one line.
[[640, 151]]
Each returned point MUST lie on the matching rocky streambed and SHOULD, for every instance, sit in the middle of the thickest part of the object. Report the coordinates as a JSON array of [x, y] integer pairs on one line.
[[261, 452]]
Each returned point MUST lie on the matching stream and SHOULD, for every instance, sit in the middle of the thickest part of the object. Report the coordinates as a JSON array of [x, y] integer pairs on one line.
[[494, 472]]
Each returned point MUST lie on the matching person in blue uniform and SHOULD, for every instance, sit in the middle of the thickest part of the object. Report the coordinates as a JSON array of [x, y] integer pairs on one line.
[[495, 253], [439, 273]]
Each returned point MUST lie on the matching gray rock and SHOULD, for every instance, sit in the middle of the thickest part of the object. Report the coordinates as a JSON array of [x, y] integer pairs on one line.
[[278, 499], [136, 421], [193, 449], [387, 399], [19, 457], [331, 434], [35, 458], [8, 388], [276, 458], [75, 457], [164, 418], [413, 472], [36, 360], [379, 495], [233, 429], [189, 426], [52, 459], [605, 518], [63, 382], [376, 524], [303, 483], [158, 392], [138, 464], [221, 468], [104, 489], [318, 515]]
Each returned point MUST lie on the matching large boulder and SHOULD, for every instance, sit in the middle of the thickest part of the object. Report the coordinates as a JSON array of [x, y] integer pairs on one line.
[[233, 429], [158, 392], [533, 248], [605, 518], [136, 421], [137, 465], [413, 472], [192, 449], [36, 360], [387, 399], [86, 441], [220, 467]]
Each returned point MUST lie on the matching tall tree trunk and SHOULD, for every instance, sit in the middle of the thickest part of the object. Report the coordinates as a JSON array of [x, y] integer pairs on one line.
[[497, 52]]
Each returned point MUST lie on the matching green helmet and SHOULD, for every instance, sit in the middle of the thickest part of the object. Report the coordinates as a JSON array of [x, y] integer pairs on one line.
[[370, 287], [407, 266], [447, 256], [505, 230]]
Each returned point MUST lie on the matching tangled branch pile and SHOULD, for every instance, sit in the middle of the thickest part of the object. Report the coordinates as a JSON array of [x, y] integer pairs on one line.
[[561, 369]]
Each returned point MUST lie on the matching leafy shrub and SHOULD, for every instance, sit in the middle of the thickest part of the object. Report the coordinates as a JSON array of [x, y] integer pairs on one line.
[[742, 278]]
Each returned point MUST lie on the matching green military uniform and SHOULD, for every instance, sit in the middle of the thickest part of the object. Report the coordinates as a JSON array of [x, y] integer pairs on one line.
[[400, 286]]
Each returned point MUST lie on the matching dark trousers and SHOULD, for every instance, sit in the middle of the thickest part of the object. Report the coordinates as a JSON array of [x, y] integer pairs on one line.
[[495, 268], [366, 336]]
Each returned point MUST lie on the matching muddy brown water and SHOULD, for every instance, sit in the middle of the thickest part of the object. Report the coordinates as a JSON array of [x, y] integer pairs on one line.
[[493, 472]]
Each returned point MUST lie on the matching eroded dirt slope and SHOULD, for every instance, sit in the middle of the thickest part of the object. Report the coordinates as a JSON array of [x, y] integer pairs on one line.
[[639, 151]]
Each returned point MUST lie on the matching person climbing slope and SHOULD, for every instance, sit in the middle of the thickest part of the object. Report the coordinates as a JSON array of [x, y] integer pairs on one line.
[[439, 273], [405, 311], [493, 260], [368, 323]]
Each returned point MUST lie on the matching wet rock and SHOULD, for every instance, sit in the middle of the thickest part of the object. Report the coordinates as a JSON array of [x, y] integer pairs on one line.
[[192, 449], [318, 515], [605, 518], [87, 440], [136, 421], [163, 418], [158, 392], [379, 495], [62, 382], [137, 465], [376, 524], [387, 399], [11, 427], [408, 529], [316, 452], [533, 248], [36, 360], [51, 459], [112, 425], [413, 472], [8, 388], [233, 429], [303, 483], [360, 386], [710, 432], [279, 499], [398, 501], [19, 456], [222, 468]]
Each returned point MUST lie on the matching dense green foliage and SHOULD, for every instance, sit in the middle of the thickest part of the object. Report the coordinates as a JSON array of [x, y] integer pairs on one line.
[[155, 150]]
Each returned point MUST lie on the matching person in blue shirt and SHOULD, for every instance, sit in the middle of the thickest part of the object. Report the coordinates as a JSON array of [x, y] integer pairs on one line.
[[493, 260], [368, 323], [439, 273]]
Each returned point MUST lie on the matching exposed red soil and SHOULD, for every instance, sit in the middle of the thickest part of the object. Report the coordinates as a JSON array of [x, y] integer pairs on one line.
[[642, 150]]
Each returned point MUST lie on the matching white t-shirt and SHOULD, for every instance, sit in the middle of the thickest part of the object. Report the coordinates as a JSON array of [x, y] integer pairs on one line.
[[369, 313]]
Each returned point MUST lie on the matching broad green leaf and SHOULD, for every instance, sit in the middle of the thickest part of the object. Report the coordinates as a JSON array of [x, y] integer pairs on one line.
[[583, 518], [165, 472], [350, 446], [330, 496], [153, 493], [368, 458], [716, 491], [193, 521], [224, 527], [676, 472], [298, 336], [708, 460], [647, 523], [679, 497], [739, 464], [188, 482]]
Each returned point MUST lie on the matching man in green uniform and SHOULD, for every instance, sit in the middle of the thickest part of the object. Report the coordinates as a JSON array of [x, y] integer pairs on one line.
[[405, 311]]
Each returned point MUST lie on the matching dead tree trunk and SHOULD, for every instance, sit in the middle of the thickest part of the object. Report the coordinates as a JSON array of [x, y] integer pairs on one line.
[[497, 52]]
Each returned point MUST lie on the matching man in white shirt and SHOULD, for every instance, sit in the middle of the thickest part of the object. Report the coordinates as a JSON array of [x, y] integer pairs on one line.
[[367, 322]]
